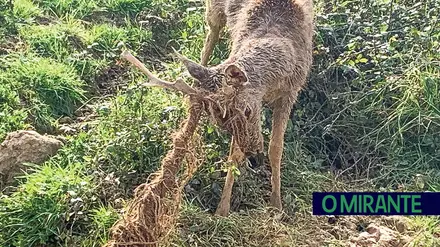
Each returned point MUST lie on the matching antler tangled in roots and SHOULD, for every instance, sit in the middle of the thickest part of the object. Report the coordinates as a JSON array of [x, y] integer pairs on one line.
[[225, 108], [151, 213]]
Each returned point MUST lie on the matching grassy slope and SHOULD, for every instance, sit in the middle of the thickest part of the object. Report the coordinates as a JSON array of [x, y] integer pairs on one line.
[[369, 119]]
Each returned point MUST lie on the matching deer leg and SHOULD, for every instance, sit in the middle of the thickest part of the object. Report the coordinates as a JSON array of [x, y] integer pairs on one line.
[[281, 113], [216, 19], [210, 41], [235, 158]]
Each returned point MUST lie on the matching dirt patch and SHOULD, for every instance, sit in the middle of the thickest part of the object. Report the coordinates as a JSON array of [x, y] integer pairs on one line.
[[10, 45], [111, 79], [24, 147], [84, 117], [358, 231], [77, 42], [43, 20], [116, 76], [101, 17], [379, 236]]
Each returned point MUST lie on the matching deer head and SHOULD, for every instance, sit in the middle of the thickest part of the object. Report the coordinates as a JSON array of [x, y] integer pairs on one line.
[[229, 98]]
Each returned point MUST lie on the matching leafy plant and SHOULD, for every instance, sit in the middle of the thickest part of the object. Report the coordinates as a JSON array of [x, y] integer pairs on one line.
[[46, 208]]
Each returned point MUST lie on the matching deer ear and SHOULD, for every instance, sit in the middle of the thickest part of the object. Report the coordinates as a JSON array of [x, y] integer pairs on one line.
[[235, 74], [197, 71]]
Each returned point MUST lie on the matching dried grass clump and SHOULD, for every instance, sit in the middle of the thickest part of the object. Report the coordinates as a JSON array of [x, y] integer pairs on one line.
[[250, 228], [152, 211]]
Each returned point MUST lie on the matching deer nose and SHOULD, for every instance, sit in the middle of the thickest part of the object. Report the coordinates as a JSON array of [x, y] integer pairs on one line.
[[247, 112], [256, 160]]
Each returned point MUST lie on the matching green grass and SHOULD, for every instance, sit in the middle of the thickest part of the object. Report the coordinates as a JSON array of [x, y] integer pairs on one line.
[[26, 9], [107, 38], [368, 120], [58, 40], [130, 154], [47, 208], [44, 88], [77, 8], [102, 219]]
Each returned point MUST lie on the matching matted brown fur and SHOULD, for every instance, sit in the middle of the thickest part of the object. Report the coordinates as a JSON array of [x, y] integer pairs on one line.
[[228, 112], [270, 58]]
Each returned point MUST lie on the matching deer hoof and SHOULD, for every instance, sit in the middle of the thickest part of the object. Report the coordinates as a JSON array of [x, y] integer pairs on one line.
[[275, 201], [222, 211]]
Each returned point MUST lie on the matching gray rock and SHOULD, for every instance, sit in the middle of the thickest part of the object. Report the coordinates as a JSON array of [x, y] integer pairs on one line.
[[24, 147]]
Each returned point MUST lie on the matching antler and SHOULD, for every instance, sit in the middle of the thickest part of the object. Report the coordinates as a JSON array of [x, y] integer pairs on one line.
[[178, 85]]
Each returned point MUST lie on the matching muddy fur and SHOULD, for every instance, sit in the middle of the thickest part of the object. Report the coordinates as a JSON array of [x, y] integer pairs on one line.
[[270, 58], [232, 114]]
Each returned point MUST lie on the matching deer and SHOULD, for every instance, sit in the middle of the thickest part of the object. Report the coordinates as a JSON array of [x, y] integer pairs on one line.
[[269, 63]]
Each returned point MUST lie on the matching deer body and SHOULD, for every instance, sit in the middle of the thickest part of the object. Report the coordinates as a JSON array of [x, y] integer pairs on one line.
[[272, 50], [270, 59]]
